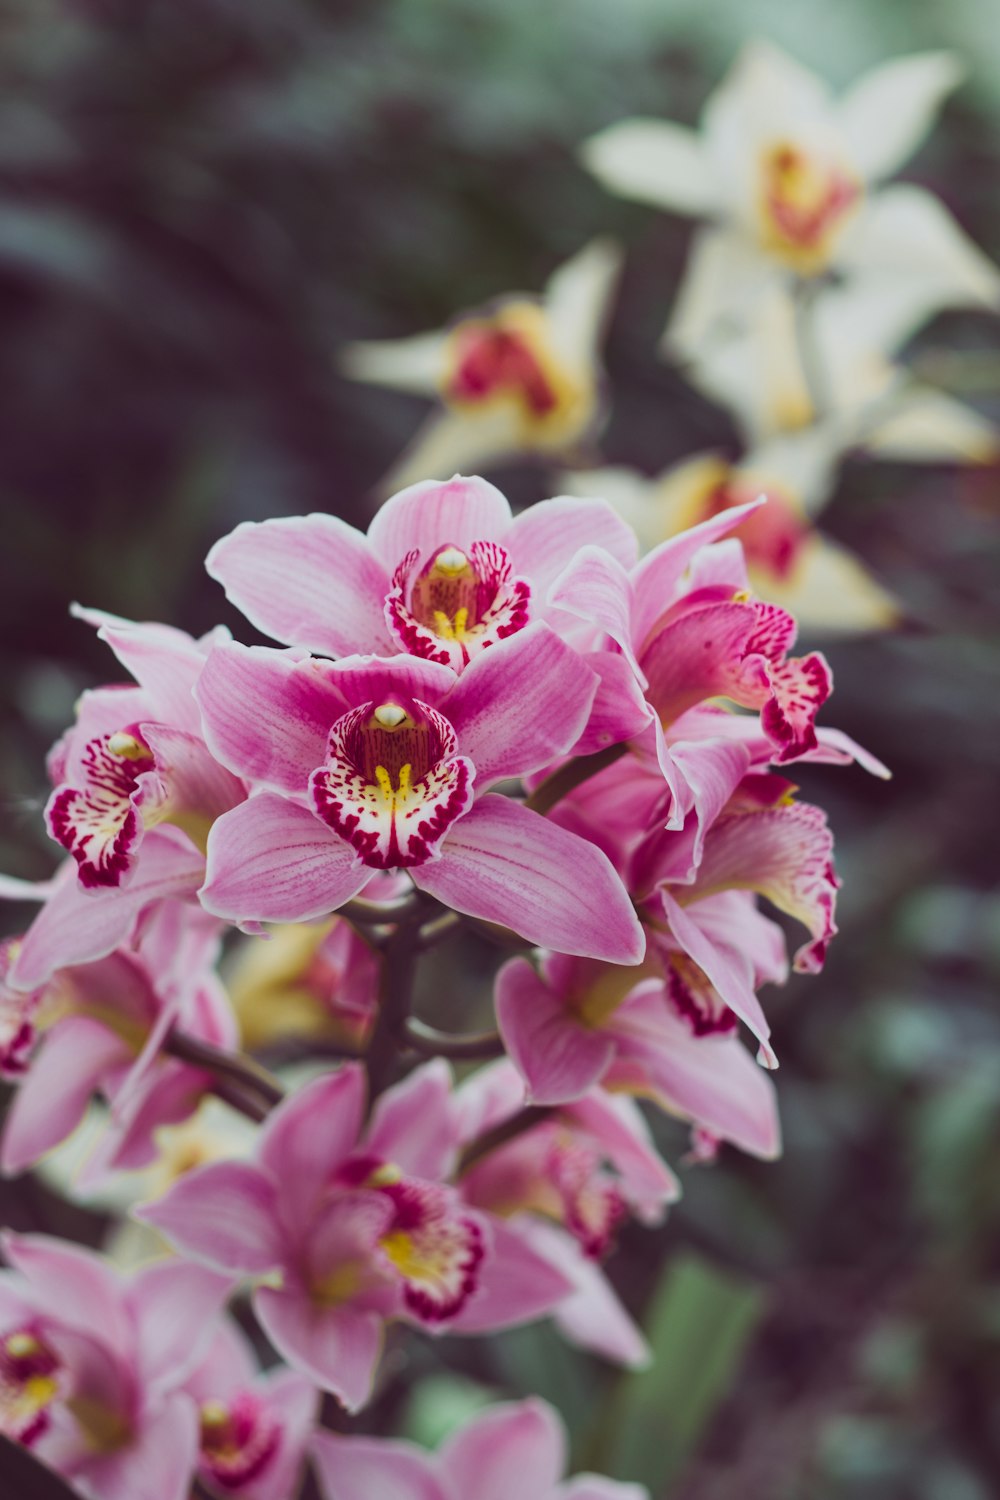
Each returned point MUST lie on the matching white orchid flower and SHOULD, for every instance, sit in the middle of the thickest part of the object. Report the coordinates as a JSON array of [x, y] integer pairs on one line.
[[834, 362], [521, 375], [789, 562], [790, 177]]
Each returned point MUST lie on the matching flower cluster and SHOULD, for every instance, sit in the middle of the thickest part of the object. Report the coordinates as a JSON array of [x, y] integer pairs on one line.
[[472, 722]]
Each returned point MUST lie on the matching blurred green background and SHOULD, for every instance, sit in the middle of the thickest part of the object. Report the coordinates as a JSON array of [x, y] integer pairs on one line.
[[199, 201]]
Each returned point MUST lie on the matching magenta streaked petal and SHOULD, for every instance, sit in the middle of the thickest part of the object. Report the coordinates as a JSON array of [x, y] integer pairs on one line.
[[799, 688], [77, 926], [436, 1247], [559, 1058], [516, 1286], [309, 1136], [784, 853], [98, 822], [726, 968], [658, 576], [619, 711], [293, 1401], [166, 664], [360, 1468], [75, 1286], [521, 704], [702, 654], [225, 1214], [413, 1123], [338, 1347], [197, 789], [598, 589], [157, 1464], [51, 1101], [270, 860], [267, 714], [619, 1129], [430, 514], [307, 580], [543, 538], [506, 1450], [507, 864]]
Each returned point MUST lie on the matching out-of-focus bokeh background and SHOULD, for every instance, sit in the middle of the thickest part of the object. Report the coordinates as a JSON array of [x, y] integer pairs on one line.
[[199, 202]]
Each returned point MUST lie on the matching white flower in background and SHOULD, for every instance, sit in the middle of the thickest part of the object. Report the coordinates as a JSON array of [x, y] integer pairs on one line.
[[521, 375], [833, 361], [789, 562], [790, 178]]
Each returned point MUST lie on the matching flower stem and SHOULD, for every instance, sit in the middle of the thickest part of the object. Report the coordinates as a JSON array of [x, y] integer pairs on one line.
[[395, 992], [507, 1130], [234, 1067], [555, 787], [430, 1042]]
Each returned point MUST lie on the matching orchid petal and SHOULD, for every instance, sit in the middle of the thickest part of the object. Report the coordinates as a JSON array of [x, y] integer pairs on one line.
[[174, 1305], [516, 1447], [517, 1285], [558, 1058], [429, 515], [272, 861], [904, 225], [413, 1126], [727, 971], [52, 1100], [653, 161], [577, 298], [544, 538], [224, 1214], [358, 1468], [887, 113], [309, 1135], [157, 1464], [306, 580], [338, 1347], [417, 364], [504, 863]]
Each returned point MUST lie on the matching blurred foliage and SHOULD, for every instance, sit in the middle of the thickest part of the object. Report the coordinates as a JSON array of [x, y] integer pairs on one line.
[[198, 204]]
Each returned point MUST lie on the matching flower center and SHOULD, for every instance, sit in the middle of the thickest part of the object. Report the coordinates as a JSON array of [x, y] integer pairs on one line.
[[773, 536], [238, 1439], [450, 597], [29, 1384], [458, 603], [97, 822], [805, 200], [490, 361]]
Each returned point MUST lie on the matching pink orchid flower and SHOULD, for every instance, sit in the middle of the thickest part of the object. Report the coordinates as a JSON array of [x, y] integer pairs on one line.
[[346, 1229], [518, 1448], [135, 757], [369, 764], [565, 1185], [254, 1428], [93, 1366], [444, 572], [98, 1028]]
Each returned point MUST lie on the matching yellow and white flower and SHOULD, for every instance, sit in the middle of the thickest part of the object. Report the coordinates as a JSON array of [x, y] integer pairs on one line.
[[521, 375], [791, 179]]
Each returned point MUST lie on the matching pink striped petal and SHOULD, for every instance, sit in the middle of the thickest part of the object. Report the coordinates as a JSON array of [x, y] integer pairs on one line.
[[559, 1058], [51, 1101], [544, 538], [506, 864], [75, 1286], [660, 573], [597, 588], [272, 861], [307, 580], [157, 1464], [309, 1136], [517, 1285], [516, 1448], [338, 1347], [174, 1306], [413, 1123], [430, 514], [728, 970], [225, 1214], [521, 704], [266, 714], [359, 1468]]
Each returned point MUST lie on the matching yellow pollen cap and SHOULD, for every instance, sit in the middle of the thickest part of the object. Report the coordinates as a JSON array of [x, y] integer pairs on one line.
[[127, 747], [22, 1346], [451, 560]]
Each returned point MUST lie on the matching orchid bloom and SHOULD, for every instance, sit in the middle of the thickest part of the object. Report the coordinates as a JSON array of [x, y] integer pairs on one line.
[[98, 1027], [827, 376], [92, 1367], [135, 757], [345, 1229], [565, 1185], [791, 179], [254, 1429], [521, 375], [790, 562], [370, 764], [445, 571], [515, 1448]]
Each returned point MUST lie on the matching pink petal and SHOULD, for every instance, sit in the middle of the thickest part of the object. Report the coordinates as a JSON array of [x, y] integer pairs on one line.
[[516, 1286], [51, 1101], [309, 1136], [521, 704], [506, 864], [596, 1487], [430, 514], [225, 1214], [228, 1365], [543, 539], [619, 711], [198, 788], [703, 654], [77, 926], [558, 1058], [174, 1305], [294, 1401], [597, 588], [799, 688], [619, 1128], [413, 1125], [728, 971], [307, 580], [337, 1347], [166, 664], [270, 860], [516, 1448], [266, 714], [74, 1285], [659, 574], [359, 1468], [157, 1464], [591, 1317]]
